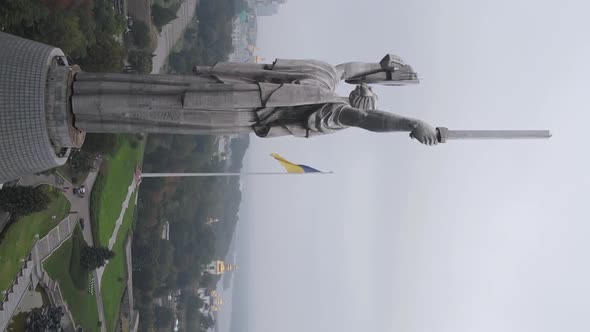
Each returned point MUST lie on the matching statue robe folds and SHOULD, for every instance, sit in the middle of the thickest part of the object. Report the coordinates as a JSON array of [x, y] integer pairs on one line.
[[289, 97]]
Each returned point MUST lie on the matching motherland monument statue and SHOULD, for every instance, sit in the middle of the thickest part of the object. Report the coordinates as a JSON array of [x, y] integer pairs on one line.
[[47, 106]]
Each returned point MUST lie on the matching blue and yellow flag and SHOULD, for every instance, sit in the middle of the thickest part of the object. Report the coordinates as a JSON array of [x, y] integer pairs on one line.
[[294, 168]]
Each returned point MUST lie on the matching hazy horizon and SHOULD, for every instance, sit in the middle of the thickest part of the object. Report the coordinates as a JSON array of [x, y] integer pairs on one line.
[[469, 236]]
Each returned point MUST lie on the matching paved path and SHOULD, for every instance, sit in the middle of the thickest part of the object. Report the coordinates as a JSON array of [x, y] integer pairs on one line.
[[99, 272], [119, 221], [81, 207], [118, 224], [98, 293], [33, 269], [172, 32]]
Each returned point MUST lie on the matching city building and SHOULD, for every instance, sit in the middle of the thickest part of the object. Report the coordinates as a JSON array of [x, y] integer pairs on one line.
[[223, 147], [211, 221], [212, 302], [219, 267]]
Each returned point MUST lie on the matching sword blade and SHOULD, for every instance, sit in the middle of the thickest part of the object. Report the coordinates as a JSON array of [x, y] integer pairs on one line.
[[445, 134], [498, 134]]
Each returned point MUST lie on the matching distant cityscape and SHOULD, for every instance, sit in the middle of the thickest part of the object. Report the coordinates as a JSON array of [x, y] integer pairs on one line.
[[245, 30]]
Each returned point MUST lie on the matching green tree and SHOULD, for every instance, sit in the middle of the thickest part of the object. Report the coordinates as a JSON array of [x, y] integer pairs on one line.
[[145, 279], [92, 258], [141, 34], [163, 15], [108, 21], [190, 302], [15, 14], [140, 61], [207, 322], [100, 143], [87, 22], [164, 316], [105, 55], [47, 319], [62, 29], [165, 260], [80, 162], [23, 200]]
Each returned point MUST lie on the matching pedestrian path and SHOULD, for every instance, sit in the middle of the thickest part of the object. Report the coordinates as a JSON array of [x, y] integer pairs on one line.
[[119, 221], [172, 32], [32, 269]]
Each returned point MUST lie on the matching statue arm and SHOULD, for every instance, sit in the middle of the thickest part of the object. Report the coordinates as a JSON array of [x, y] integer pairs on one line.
[[379, 121], [352, 69]]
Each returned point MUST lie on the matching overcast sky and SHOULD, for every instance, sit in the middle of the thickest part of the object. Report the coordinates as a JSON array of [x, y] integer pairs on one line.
[[469, 236]]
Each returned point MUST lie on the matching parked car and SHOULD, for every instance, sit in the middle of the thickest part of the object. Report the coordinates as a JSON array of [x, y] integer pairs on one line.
[[82, 223], [80, 191]]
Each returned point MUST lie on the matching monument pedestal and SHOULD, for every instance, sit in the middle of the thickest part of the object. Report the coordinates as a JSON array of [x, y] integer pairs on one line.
[[36, 131]]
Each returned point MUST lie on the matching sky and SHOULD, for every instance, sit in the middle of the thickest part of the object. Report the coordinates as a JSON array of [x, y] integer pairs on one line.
[[466, 236]]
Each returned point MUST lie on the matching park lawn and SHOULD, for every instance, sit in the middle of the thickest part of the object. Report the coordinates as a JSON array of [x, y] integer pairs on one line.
[[110, 188], [64, 267], [20, 236], [114, 278]]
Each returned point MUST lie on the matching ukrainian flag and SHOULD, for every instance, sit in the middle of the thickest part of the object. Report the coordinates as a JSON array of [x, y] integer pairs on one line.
[[294, 168]]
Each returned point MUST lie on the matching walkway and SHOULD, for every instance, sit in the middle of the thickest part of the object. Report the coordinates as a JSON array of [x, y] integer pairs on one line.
[[56, 298], [99, 272], [32, 269], [118, 223], [172, 32], [79, 205]]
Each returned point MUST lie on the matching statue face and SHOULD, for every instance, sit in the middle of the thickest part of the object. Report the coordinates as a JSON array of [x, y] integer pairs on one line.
[[398, 75]]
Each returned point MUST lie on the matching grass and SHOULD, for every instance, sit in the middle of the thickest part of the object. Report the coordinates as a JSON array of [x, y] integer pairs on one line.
[[78, 274], [20, 236], [63, 266], [106, 200], [110, 189], [114, 277]]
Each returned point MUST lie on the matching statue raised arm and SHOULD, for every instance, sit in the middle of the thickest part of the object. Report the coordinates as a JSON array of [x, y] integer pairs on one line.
[[391, 70]]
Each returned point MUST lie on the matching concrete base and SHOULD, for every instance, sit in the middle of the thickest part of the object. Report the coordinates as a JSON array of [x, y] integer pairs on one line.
[[36, 133]]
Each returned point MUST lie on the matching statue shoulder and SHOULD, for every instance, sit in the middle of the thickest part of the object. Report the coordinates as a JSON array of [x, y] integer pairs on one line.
[[313, 72]]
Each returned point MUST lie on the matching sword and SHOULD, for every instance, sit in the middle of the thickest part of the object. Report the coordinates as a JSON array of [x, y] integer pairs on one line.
[[443, 134]]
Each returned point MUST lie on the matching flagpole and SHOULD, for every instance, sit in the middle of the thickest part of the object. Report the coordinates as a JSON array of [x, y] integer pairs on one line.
[[173, 175]]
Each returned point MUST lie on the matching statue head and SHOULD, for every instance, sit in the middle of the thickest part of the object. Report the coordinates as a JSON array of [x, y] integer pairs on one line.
[[394, 71], [363, 97]]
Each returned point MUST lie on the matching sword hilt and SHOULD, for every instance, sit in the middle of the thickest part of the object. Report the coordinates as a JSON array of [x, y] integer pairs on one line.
[[442, 134]]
